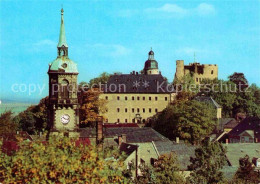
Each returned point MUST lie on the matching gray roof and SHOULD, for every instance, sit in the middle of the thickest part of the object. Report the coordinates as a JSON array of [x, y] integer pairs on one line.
[[235, 151], [133, 134], [126, 83], [208, 100], [128, 148], [182, 151]]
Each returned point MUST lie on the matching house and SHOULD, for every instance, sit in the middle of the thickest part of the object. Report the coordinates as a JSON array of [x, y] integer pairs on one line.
[[256, 161], [236, 151], [248, 130]]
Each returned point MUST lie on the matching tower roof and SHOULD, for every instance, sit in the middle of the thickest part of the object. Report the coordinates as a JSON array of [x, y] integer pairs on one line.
[[151, 63], [62, 38]]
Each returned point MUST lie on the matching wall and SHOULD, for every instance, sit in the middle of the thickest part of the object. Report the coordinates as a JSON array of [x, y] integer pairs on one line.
[[112, 115]]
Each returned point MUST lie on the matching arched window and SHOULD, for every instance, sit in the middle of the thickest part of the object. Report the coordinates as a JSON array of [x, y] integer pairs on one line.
[[212, 72], [64, 89]]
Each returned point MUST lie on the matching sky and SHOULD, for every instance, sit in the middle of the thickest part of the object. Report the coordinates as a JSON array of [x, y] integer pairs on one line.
[[116, 36]]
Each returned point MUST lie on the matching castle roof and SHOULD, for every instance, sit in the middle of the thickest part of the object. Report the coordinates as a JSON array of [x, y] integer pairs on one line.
[[136, 83], [63, 64]]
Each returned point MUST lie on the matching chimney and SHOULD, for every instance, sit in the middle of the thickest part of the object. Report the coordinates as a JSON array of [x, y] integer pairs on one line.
[[99, 129], [121, 139], [226, 141], [177, 140]]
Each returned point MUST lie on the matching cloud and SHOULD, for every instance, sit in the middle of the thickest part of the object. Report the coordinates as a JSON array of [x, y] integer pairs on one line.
[[170, 11], [205, 9], [114, 50], [45, 43], [168, 8]]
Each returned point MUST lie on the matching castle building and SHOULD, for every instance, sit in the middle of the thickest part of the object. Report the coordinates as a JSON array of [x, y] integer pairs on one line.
[[63, 99], [196, 70], [136, 97]]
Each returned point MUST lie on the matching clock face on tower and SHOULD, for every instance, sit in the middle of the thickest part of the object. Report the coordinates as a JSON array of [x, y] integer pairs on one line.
[[65, 119]]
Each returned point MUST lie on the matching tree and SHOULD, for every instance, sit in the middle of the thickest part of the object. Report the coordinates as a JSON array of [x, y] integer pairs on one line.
[[165, 170], [7, 124], [91, 106], [101, 79], [245, 172], [239, 79], [34, 118], [190, 120], [206, 165], [60, 160]]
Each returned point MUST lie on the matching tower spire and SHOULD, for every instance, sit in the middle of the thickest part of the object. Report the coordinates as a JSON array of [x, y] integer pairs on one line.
[[62, 39], [62, 45]]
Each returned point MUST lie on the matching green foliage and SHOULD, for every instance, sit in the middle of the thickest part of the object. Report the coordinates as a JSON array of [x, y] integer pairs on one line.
[[245, 172], [7, 124], [102, 78], [165, 171], [34, 118], [209, 159], [60, 160], [239, 79], [189, 120]]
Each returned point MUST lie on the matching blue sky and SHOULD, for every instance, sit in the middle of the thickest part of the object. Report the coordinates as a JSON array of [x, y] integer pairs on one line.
[[112, 36]]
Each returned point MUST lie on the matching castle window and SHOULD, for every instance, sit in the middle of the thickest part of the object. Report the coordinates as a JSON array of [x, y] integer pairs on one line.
[[65, 88], [118, 109], [143, 97], [150, 110], [165, 98], [150, 98], [106, 97], [118, 120], [133, 120], [125, 97], [143, 110], [197, 79], [138, 110], [118, 97], [156, 98], [133, 98], [106, 120], [138, 98], [125, 109], [156, 110], [212, 72], [133, 110], [125, 120]]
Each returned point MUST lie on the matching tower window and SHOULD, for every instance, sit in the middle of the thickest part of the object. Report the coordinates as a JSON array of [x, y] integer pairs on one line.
[[156, 110], [143, 97], [64, 89], [138, 110], [133, 110], [118, 109], [138, 98], [150, 110], [125, 109], [150, 98], [118, 120], [133, 98], [156, 98], [125, 120], [197, 79], [106, 97], [125, 97], [212, 72], [118, 97], [133, 120], [166, 98], [143, 110]]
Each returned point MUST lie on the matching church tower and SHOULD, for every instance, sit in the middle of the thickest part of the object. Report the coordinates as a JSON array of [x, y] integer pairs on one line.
[[151, 65], [63, 98]]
